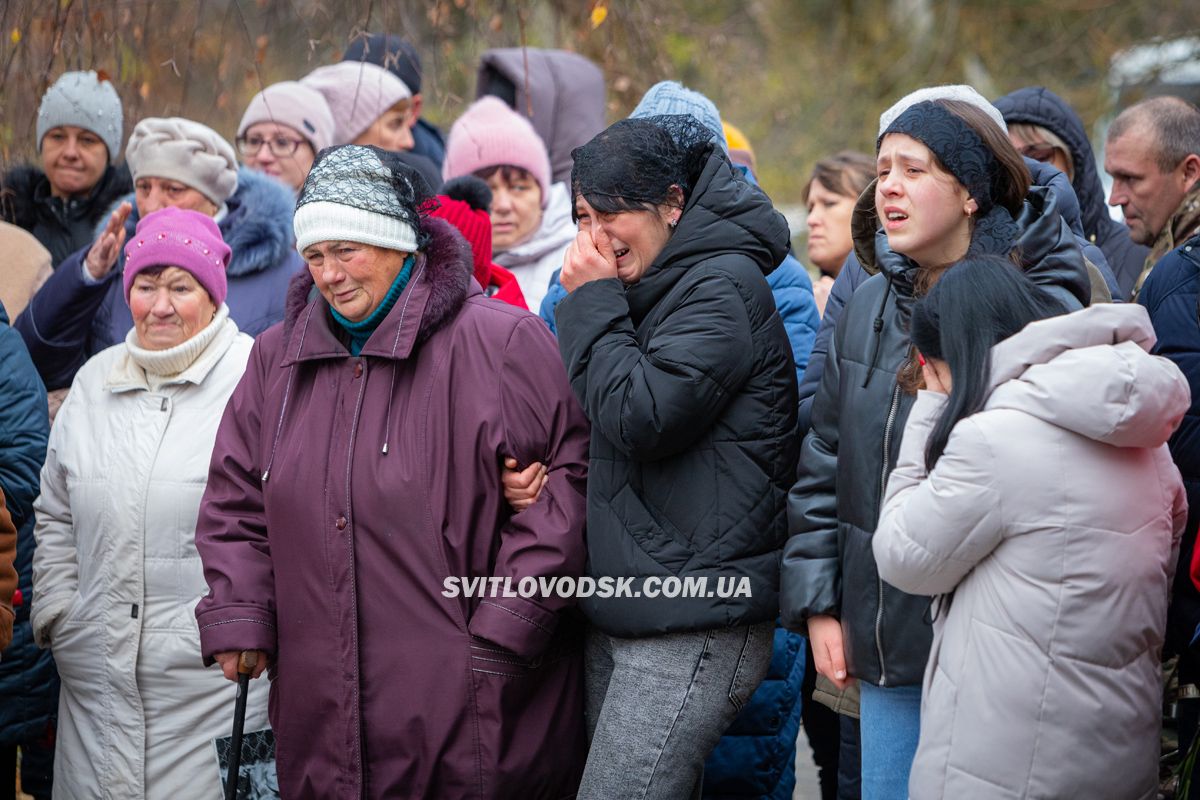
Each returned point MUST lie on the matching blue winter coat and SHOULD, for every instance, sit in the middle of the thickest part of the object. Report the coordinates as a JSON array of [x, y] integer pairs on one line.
[[28, 680], [1037, 105], [429, 142], [757, 755], [69, 320], [1170, 294]]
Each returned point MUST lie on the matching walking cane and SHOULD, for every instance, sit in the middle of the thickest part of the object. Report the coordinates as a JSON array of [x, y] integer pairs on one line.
[[247, 661]]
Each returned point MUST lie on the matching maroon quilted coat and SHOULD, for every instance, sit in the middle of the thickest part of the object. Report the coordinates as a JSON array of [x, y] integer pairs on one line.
[[345, 490]]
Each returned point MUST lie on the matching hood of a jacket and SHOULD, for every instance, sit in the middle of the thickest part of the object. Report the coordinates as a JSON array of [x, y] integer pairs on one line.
[[24, 191], [562, 93], [555, 232], [257, 225], [724, 215], [1091, 372], [445, 265], [1037, 105]]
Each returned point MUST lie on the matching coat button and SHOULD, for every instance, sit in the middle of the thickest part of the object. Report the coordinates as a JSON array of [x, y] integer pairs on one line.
[[358, 370], [341, 523]]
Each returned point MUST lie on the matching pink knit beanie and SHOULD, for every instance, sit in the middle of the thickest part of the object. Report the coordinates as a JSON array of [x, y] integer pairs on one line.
[[490, 134], [357, 94], [173, 237]]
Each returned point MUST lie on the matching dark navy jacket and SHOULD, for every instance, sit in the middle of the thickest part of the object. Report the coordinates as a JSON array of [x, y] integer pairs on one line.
[[28, 681], [1170, 294], [1037, 105], [69, 320]]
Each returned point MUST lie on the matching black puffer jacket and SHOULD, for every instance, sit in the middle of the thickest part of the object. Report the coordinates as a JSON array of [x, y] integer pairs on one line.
[[688, 380], [61, 226], [1036, 105], [828, 565]]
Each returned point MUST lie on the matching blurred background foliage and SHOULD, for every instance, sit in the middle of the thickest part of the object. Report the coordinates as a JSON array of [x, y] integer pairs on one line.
[[802, 78]]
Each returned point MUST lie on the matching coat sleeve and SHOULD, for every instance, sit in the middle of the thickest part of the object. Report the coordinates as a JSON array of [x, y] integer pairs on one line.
[[797, 308], [55, 561], [654, 403], [8, 573], [24, 426], [935, 527], [543, 422], [57, 323], [231, 532], [554, 295], [810, 582]]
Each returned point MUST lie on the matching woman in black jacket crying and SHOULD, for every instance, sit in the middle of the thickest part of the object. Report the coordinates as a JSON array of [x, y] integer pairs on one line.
[[675, 349], [948, 183]]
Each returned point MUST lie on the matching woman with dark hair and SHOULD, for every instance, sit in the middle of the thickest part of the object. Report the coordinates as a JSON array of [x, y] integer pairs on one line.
[[829, 196], [675, 349], [1035, 494], [949, 184]]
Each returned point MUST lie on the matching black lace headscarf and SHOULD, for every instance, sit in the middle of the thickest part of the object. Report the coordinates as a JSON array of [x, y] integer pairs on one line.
[[965, 156], [632, 164]]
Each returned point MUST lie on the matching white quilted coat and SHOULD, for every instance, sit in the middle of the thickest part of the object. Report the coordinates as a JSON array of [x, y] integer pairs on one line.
[[1054, 517], [117, 578]]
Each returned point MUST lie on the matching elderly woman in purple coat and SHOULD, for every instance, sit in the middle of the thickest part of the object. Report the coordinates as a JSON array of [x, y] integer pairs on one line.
[[355, 502]]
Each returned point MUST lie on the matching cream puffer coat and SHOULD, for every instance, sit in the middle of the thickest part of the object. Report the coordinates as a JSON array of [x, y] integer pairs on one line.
[[1051, 523], [117, 578]]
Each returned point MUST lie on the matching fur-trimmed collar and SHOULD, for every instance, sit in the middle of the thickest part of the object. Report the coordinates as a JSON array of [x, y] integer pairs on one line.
[[447, 269]]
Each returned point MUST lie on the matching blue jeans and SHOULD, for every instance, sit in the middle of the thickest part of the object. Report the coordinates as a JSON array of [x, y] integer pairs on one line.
[[891, 725]]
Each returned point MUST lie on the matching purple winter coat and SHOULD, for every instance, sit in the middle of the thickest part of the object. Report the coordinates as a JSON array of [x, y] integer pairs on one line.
[[343, 491]]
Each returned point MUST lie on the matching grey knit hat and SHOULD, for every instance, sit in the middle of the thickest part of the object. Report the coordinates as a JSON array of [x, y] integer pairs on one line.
[[184, 151], [360, 194], [949, 91], [85, 100]]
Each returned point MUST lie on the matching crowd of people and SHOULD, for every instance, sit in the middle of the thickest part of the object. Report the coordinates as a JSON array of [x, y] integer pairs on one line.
[[291, 395]]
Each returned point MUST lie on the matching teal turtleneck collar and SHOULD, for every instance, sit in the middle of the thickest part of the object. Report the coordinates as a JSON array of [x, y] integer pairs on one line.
[[361, 331]]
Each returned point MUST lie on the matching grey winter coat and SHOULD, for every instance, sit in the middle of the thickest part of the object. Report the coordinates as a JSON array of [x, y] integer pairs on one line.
[[1051, 523]]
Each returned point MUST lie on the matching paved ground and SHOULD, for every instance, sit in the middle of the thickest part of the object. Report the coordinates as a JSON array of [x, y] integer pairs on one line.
[[806, 772]]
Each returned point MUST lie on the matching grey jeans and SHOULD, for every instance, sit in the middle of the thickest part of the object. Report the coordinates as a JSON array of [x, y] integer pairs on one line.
[[657, 706]]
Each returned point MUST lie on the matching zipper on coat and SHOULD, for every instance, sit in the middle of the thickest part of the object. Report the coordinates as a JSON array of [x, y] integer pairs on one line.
[[883, 476]]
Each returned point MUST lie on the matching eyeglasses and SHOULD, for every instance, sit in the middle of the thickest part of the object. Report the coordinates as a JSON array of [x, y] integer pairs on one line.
[[1039, 152], [281, 146]]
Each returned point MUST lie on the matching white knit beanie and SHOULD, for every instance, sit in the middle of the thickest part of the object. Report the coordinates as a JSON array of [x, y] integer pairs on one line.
[[350, 195], [358, 93], [949, 91], [185, 151]]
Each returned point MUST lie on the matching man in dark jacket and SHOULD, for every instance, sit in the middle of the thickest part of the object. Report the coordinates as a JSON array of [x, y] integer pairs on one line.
[[1038, 106], [1152, 152], [398, 55], [28, 680], [78, 139]]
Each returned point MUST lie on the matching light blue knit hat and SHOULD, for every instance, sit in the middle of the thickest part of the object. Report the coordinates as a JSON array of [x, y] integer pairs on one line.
[[672, 97], [85, 100]]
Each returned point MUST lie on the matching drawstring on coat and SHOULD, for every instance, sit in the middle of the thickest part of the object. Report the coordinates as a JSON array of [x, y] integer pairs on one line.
[[878, 328]]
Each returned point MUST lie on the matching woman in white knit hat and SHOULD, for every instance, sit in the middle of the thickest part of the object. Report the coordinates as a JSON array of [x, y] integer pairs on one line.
[[283, 129], [175, 163], [370, 105]]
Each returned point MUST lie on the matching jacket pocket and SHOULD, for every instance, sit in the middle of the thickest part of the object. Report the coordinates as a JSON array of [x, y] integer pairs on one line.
[[492, 659], [661, 541]]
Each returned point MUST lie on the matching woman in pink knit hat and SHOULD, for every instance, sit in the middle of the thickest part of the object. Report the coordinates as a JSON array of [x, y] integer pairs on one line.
[[116, 574], [283, 129], [531, 216]]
